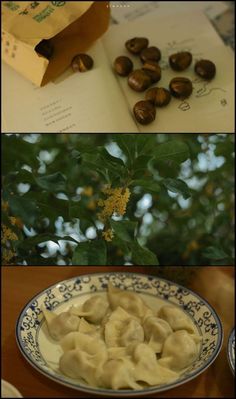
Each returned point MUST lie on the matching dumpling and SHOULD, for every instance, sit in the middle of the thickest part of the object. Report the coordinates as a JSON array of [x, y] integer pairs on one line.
[[120, 314], [86, 343], [118, 374], [120, 344], [121, 351], [76, 363], [179, 350], [106, 318], [130, 301], [147, 370], [122, 329], [60, 325], [139, 364], [132, 333], [83, 357], [176, 318], [87, 328], [114, 326], [144, 354], [116, 352], [156, 330], [93, 310]]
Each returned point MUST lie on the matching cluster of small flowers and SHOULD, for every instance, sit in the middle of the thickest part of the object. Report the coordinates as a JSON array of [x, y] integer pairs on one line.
[[87, 191], [108, 235], [7, 256], [115, 203], [8, 236]]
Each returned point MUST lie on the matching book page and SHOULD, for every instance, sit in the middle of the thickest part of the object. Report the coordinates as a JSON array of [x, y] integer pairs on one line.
[[211, 106], [76, 102], [123, 11]]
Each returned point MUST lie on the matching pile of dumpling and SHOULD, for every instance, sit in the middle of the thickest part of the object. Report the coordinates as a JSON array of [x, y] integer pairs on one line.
[[119, 343]]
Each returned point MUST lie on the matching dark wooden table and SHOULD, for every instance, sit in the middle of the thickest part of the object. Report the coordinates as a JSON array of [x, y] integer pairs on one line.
[[20, 284]]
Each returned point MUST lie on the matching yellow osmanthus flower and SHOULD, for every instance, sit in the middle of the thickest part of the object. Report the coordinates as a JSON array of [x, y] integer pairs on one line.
[[116, 202], [92, 205], [108, 235], [5, 206], [192, 246], [87, 191], [7, 256], [16, 222], [7, 237], [8, 234]]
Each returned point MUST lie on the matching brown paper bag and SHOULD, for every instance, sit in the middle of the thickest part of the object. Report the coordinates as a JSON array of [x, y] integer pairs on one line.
[[71, 26]]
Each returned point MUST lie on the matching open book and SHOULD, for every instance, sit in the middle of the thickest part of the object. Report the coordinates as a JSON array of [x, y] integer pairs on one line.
[[100, 101]]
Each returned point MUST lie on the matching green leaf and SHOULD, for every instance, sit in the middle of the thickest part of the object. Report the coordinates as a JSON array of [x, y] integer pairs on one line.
[[40, 238], [54, 207], [223, 149], [142, 256], [36, 260], [84, 147], [94, 163], [124, 229], [140, 166], [79, 212], [23, 176], [90, 253], [18, 152], [148, 185], [115, 166], [49, 206], [27, 210], [174, 150], [53, 183], [177, 186], [104, 163], [127, 144], [121, 245], [167, 168], [145, 143], [215, 253], [84, 224], [108, 157]]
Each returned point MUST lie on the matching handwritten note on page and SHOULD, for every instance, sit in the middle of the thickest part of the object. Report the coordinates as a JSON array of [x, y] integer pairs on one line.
[[85, 102]]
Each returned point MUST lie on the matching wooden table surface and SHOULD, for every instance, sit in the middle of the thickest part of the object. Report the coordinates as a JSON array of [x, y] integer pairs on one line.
[[20, 284]]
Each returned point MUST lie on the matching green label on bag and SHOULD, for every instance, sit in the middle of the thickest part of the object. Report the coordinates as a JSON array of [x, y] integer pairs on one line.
[[43, 14], [58, 3], [11, 5], [33, 7]]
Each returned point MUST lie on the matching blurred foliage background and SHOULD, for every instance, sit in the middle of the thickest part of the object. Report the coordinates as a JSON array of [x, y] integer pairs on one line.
[[179, 211]]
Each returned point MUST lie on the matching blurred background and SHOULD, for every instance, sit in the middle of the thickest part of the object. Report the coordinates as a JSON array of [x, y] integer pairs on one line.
[[198, 230]]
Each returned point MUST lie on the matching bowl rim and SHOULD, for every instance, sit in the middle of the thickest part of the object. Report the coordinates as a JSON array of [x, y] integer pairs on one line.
[[229, 350], [123, 392]]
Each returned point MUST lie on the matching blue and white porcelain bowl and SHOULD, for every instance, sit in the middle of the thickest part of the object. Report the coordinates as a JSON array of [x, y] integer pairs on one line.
[[43, 353], [231, 350]]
